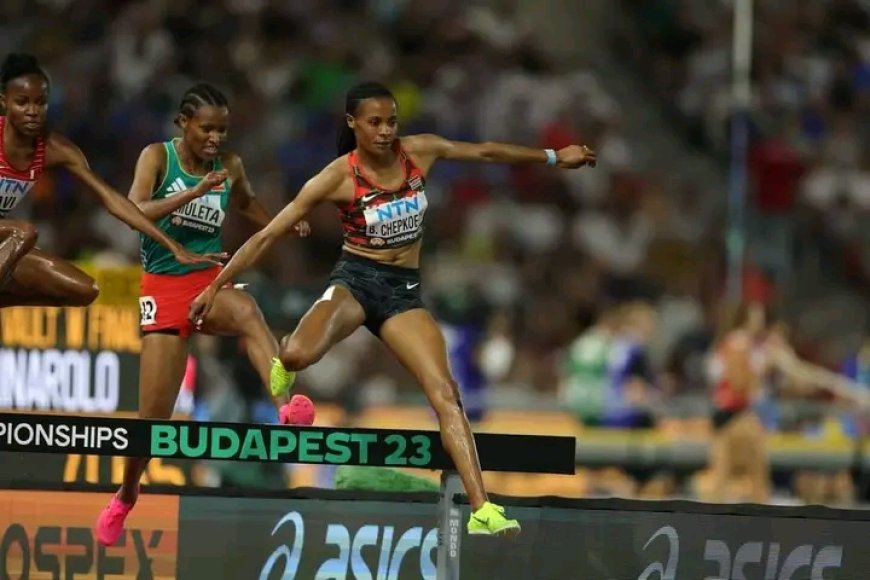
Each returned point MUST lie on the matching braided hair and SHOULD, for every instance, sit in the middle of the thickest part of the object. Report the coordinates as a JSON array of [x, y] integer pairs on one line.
[[346, 140], [199, 95]]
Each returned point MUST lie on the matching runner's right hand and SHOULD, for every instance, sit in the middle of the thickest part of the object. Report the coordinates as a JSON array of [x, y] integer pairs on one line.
[[212, 179], [201, 306]]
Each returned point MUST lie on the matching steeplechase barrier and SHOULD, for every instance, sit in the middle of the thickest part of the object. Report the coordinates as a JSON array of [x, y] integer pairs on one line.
[[325, 534]]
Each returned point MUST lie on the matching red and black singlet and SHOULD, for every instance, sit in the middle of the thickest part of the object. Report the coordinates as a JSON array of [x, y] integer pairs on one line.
[[380, 219], [16, 183]]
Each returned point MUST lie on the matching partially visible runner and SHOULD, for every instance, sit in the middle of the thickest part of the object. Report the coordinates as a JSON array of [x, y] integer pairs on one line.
[[751, 348], [29, 276], [378, 184], [741, 361], [187, 185]]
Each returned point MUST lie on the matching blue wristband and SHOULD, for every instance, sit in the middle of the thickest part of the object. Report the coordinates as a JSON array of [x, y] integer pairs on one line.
[[552, 159]]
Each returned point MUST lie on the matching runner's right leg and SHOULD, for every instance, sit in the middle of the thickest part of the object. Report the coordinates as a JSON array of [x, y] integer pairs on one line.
[[334, 317], [161, 369]]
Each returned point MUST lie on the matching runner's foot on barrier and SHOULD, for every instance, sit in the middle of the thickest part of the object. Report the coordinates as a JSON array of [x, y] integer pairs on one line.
[[490, 520], [110, 524], [280, 379], [299, 411]]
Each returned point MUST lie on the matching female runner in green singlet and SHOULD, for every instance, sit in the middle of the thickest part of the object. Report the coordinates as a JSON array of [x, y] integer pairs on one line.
[[187, 185]]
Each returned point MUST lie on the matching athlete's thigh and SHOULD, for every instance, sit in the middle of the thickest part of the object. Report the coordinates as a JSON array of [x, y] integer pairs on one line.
[[41, 273], [162, 363], [331, 319], [232, 311], [417, 341]]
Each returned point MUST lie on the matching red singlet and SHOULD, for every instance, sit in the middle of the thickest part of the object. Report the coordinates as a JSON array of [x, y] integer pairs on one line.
[[16, 183], [725, 396]]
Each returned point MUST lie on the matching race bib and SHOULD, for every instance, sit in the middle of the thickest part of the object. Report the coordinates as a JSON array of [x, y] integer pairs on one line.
[[396, 220], [12, 191], [204, 214], [147, 310]]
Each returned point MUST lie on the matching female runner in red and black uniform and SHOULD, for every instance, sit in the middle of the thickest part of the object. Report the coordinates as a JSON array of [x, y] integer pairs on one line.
[[741, 361], [378, 184], [29, 276]]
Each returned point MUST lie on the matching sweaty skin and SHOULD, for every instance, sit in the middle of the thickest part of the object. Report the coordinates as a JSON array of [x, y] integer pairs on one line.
[[413, 336], [29, 276]]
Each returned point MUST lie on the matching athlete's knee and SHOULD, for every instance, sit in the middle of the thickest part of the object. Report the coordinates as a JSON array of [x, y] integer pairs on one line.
[[246, 312], [85, 292], [444, 395], [23, 233], [296, 356]]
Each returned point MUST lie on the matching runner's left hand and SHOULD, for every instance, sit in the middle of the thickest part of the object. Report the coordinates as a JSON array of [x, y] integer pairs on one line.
[[189, 258], [574, 156]]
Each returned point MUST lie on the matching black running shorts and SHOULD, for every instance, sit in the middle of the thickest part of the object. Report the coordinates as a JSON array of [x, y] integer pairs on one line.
[[382, 290]]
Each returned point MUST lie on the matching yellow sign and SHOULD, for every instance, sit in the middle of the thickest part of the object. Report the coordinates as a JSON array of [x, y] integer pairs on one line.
[[119, 285], [70, 359], [97, 327]]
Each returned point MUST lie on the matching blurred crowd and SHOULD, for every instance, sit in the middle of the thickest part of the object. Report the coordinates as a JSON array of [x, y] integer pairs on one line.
[[809, 160], [525, 266], [533, 251], [808, 196]]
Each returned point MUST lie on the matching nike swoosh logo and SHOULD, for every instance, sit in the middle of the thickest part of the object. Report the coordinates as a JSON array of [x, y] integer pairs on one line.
[[410, 286], [485, 522], [369, 197]]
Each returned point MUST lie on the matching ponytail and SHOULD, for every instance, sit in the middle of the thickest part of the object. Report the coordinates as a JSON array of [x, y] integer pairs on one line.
[[346, 140]]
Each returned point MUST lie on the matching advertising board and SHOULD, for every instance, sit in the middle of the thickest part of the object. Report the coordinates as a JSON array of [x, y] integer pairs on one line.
[[46, 535], [320, 539]]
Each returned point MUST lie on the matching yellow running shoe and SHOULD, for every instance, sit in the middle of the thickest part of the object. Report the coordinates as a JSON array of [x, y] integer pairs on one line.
[[280, 379], [489, 520]]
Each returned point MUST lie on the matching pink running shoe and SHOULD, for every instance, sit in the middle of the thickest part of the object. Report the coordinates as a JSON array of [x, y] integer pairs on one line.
[[110, 524], [299, 411]]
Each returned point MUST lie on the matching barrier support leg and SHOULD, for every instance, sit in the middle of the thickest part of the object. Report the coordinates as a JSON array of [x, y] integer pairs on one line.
[[449, 527]]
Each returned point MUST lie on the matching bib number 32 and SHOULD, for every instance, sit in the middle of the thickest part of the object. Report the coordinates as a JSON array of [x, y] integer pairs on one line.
[[147, 310]]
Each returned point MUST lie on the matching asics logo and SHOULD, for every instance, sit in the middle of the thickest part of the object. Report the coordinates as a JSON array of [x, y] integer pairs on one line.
[[663, 570]]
